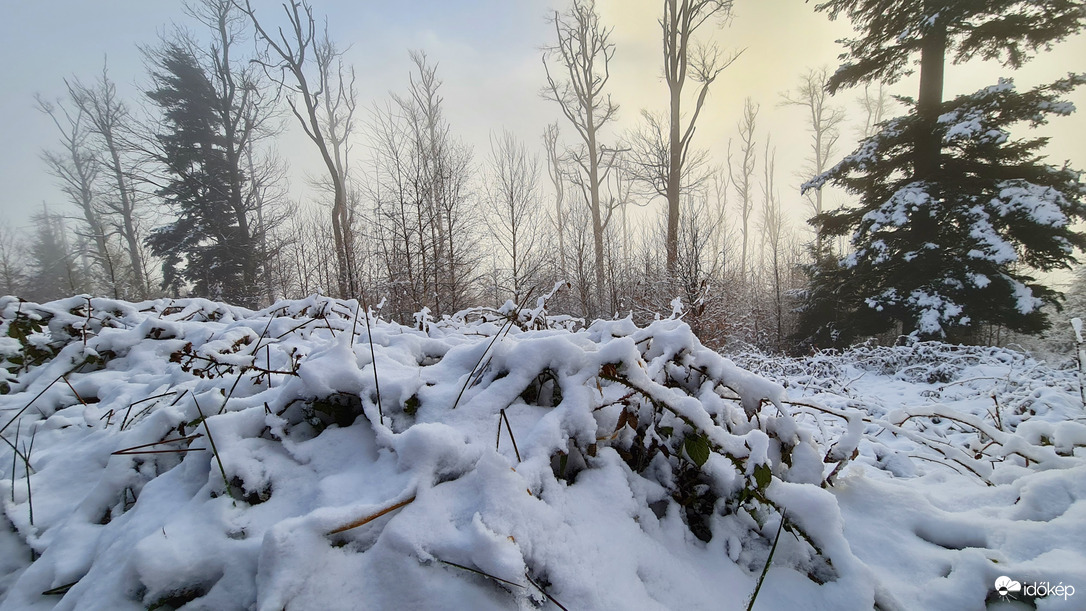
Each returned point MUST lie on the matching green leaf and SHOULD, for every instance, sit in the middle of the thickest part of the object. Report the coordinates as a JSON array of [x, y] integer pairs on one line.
[[411, 405], [762, 476], [697, 448]]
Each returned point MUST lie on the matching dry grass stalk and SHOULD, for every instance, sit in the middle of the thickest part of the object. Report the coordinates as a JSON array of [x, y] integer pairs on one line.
[[371, 517]]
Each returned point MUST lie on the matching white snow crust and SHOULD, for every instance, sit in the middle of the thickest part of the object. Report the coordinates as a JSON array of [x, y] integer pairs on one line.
[[906, 478]]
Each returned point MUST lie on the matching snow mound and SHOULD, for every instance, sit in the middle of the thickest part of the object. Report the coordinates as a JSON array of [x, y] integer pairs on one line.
[[188, 454]]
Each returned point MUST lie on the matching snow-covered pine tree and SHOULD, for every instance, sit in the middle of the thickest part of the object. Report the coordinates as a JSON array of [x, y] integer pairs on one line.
[[954, 214]]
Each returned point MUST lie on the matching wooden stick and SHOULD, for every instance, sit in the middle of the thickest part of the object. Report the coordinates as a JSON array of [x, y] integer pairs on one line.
[[372, 517]]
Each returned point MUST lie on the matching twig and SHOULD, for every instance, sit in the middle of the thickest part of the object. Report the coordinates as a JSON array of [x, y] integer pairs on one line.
[[898, 431], [124, 420], [504, 329], [74, 391], [768, 562], [998, 417], [371, 517], [373, 357], [241, 370], [15, 463], [545, 593], [295, 328], [59, 590], [26, 464], [86, 331], [174, 451], [36, 397], [16, 450], [132, 450], [214, 450], [354, 324], [503, 416], [938, 462], [966, 381], [479, 572]]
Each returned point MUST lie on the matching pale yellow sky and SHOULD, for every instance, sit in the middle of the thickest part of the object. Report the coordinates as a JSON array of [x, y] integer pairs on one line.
[[488, 53], [782, 38]]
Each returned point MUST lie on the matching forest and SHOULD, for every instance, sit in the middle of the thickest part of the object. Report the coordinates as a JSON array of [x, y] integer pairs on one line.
[[598, 369], [183, 190]]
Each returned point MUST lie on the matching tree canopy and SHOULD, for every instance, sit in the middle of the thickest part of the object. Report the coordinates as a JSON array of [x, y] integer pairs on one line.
[[955, 216]]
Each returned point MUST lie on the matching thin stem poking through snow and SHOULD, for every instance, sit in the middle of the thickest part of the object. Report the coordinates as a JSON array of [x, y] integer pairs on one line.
[[214, 450], [373, 356], [768, 563]]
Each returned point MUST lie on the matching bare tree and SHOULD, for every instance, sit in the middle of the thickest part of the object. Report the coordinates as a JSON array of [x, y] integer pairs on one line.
[[398, 211], [337, 88], [583, 51], [556, 173], [12, 264], [77, 167], [742, 176], [718, 187], [650, 159], [582, 261], [824, 121], [684, 59], [511, 193], [418, 185], [442, 168], [324, 108], [699, 264], [109, 121], [875, 104], [267, 202], [771, 227]]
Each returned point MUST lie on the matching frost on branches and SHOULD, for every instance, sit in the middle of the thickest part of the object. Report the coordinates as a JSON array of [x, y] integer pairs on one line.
[[956, 250]]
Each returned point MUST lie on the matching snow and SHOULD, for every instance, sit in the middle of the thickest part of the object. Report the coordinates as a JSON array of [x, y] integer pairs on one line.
[[1040, 204], [1025, 301], [980, 280], [967, 127], [894, 213], [513, 458], [994, 247]]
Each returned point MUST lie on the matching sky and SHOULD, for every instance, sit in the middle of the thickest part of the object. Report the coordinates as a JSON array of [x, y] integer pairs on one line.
[[488, 55]]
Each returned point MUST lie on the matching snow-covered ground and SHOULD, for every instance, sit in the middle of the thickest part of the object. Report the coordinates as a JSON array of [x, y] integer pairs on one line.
[[188, 454]]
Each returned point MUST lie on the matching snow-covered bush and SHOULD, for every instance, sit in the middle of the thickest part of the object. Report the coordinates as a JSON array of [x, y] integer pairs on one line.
[[185, 453]]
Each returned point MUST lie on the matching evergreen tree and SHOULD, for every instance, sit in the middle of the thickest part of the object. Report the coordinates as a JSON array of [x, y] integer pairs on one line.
[[209, 244], [954, 214], [823, 317], [12, 261], [53, 266]]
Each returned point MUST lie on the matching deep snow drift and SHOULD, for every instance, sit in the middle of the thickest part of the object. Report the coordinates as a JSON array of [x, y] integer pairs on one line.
[[184, 453]]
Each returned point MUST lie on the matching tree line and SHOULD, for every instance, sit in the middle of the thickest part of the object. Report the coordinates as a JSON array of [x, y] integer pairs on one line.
[[181, 192]]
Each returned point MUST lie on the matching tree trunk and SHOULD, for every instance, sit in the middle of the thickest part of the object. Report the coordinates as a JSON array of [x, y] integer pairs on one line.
[[673, 177], [597, 218], [928, 140], [127, 217], [928, 144]]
